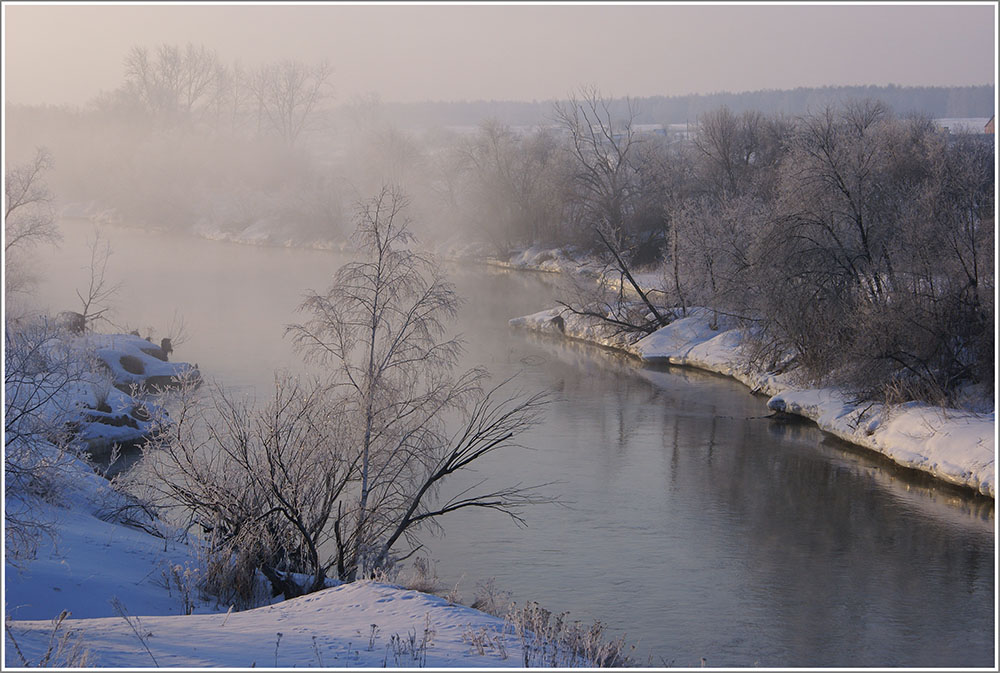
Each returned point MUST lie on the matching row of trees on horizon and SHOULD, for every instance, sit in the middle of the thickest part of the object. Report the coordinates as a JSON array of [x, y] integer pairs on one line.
[[857, 239]]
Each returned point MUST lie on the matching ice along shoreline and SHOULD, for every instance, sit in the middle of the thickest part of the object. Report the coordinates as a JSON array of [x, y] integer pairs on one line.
[[957, 447]]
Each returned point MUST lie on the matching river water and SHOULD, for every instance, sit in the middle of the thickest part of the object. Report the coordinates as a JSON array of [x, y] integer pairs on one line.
[[686, 521]]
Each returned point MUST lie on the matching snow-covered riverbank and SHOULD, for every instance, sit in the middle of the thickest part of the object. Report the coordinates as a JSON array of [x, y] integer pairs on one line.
[[955, 446], [90, 560], [92, 578]]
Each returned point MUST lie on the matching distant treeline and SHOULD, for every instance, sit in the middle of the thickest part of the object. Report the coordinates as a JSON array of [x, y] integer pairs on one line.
[[854, 239], [955, 101]]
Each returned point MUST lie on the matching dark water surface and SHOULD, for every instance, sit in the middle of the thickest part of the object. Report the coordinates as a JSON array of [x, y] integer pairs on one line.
[[688, 522]]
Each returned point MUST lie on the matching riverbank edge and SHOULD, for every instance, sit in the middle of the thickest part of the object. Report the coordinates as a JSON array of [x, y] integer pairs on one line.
[[914, 438], [953, 446]]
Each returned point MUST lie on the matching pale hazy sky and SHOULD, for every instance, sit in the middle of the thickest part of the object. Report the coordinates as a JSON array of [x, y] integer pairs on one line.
[[67, 53]]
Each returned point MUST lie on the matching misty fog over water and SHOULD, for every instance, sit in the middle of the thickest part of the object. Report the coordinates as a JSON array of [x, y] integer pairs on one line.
[[820, 177], [689, 523]]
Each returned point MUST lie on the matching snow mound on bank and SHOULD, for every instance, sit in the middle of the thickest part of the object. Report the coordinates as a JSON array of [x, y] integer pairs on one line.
[[106, 414], [561, 322], [91, 559], [329, 628], [133, 360], [955, 446]]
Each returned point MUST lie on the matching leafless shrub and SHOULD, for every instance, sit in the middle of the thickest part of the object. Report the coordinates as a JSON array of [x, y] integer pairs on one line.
[[453, 595], [229, 574], [130, 511], [263, 483], [491, 599], [422, 577], [410, 650], [41, 371], [549, 640], [485, 639], [184, 580], [65, 648]]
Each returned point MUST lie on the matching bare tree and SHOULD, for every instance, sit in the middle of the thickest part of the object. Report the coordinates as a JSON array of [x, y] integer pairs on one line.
[[288, 94], [731, 147], [174, 83], [29, 218], [604, 149], [40, 373], [875, 241], [513, 184], [332, 476], [231, 98], [381, 328], [94, 301]]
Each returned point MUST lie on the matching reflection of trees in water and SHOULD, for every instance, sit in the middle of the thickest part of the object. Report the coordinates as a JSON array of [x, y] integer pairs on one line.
[[612, 417], [823, 547], [827, 539], [687, 398], [827, 548]]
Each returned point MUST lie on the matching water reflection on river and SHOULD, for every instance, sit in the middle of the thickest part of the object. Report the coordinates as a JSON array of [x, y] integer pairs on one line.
[[689, 522]]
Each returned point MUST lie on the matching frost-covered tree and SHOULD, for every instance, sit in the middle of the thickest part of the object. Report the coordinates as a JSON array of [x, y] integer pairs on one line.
[[287, 95], [29, 218], [41, 374], [262, 480], [174, 84], [605, 150], [333, 476], [381, 328]]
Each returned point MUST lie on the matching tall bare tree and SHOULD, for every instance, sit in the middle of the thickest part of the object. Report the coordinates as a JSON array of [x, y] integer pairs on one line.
[[174, 83], [95, 299], [28, 216], [381, 327], [333, 477], [604, 149], [288, 94]]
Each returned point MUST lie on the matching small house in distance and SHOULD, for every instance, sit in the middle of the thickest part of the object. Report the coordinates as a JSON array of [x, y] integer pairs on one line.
[[959, 125]]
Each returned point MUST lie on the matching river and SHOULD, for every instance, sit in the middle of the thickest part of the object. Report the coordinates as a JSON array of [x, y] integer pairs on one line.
[[686, 521]]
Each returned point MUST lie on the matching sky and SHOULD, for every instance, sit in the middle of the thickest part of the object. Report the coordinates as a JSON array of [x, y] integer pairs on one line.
[[59, 53]]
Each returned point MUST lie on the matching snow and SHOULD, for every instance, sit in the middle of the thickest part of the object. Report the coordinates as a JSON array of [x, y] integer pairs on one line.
[[962, 124], [92, 561], [955, 446], [92, 565], [111, 348], [271, 231], [125, 422], [958, 447], [329, 628], [540, 258]]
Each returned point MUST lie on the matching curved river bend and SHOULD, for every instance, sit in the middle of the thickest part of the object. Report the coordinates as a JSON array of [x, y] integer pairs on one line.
[[691, 524]]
